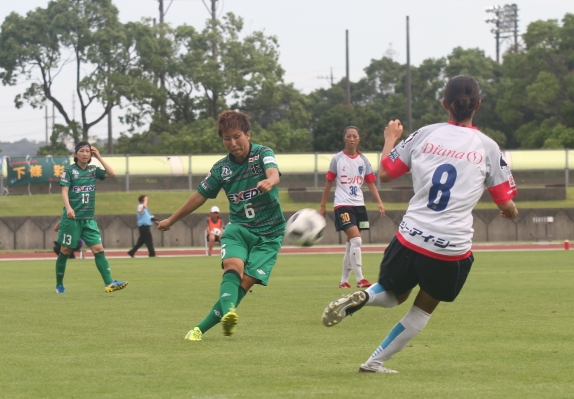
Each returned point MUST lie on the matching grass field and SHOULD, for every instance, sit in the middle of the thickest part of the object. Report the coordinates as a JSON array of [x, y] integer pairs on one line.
[[508, 335], [167, 202]]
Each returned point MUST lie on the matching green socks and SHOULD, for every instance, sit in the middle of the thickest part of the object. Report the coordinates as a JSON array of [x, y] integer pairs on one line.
[[214, 316], [103, 267], [61, 268], [228, 291]]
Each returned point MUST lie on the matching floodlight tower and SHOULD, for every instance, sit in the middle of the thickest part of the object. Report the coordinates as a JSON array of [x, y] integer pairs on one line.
[[505, 20]]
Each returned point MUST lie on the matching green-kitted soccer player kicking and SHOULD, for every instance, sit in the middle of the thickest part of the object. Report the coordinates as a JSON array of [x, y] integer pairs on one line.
[[252, 239], [78, 183]]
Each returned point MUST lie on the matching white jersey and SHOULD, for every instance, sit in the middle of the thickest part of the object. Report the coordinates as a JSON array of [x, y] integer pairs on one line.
[[349, 174], [451, 166]]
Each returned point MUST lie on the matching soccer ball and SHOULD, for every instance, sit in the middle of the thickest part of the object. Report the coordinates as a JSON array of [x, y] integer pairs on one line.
[[306, 227], [216, 232]]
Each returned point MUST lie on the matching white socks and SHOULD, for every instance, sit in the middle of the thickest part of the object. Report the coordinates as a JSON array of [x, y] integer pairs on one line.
[[356, 257], [346, 264], [401, 334], [379, 297]]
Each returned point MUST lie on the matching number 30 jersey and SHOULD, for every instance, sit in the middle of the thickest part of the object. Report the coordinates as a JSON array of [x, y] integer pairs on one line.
[[349, 173], [259, 212], [451, 166]]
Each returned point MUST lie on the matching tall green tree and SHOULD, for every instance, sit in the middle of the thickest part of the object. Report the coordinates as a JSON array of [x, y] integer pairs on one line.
[[206, 72], [538, 84], [81, 38]]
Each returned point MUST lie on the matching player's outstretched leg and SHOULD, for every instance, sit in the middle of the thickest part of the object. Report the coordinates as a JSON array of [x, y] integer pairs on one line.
[[337, 310]]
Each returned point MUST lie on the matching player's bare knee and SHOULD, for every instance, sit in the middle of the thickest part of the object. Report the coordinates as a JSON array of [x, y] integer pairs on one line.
[[66, 250]]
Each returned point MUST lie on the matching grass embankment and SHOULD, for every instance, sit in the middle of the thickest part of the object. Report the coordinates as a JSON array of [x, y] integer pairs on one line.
[[167, 202]]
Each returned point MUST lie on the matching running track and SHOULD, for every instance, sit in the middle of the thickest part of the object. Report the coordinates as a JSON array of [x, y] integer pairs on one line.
[[115, 254]]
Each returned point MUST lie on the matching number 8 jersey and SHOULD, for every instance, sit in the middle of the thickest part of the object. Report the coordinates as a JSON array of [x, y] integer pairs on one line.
[[451, 166]]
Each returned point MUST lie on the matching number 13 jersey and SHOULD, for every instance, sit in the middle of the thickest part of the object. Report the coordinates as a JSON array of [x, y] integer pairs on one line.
[[451, 166]]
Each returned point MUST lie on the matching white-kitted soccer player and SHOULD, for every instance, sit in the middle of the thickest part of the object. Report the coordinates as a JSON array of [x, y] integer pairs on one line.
[[349, 169], [451, 165]]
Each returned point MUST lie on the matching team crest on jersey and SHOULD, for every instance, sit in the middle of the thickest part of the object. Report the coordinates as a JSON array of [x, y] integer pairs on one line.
[[256, 169], [361, 168], [394, 155], [225, 171], [75, 172]]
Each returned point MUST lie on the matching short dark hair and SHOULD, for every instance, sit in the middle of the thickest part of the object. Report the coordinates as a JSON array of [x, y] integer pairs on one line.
[[461, 95], [232, 120], [142, 198]]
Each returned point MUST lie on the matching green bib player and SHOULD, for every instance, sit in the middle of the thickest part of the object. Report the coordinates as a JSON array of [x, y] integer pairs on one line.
[[249, 175], [78, 183]]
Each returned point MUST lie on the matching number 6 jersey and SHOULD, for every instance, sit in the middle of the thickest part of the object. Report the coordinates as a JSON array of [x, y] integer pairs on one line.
[[451, 166]]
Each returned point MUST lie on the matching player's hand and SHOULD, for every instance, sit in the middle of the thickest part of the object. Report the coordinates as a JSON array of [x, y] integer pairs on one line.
[[381, 208], [393, 131], [323, 211], [164, 225], [70, 213], [509, 213], [264, 186], [95, 152]]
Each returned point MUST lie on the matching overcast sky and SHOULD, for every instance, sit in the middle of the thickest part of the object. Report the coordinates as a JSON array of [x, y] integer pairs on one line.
[[311, 36]]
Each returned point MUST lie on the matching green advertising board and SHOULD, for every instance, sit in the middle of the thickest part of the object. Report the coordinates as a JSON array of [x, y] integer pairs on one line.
[[35, 170]]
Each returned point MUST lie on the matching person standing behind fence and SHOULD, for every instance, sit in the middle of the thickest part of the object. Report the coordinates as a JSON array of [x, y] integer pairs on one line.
[[78, 183], [214, 229], [145, 221], [349, 169]]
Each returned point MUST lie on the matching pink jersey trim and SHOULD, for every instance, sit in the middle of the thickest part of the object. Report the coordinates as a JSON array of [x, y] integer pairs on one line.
[[394, 169], [502, 193], [331, 176], [370, 178], [431, 254]]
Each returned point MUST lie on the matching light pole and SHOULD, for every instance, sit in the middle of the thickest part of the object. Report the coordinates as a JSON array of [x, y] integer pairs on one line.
[[505, 20]]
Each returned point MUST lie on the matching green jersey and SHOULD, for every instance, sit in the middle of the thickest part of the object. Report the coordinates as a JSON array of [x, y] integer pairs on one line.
[[259, 212], [82, 189]]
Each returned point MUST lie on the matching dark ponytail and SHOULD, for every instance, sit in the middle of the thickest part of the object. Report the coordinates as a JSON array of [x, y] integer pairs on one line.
[[461, 95]]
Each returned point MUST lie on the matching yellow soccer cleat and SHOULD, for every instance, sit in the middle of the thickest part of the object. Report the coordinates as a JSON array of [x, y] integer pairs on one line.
[[115, 286], [194, 335], [228, 322]]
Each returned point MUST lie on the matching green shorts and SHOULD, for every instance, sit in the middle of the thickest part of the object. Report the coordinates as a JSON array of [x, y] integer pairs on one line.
[[71, 230], [258, 252]]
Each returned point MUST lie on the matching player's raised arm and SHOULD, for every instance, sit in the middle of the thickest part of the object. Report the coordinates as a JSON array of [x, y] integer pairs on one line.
[[195, 201], [109, 170], [392, 133]]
